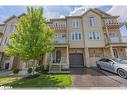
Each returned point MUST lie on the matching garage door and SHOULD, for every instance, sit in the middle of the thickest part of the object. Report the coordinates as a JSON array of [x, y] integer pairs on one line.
[[76, 60]]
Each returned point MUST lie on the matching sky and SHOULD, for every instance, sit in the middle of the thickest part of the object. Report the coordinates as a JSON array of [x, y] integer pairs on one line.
[[62, 11]]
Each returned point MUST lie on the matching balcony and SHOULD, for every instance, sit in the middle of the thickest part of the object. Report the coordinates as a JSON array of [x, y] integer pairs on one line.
[[113, 25], [117, 40], [1, 30], [59, 28], [61, 40]]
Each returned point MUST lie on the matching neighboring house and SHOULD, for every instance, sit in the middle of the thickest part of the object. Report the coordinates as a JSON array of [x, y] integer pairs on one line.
[[79, 40]]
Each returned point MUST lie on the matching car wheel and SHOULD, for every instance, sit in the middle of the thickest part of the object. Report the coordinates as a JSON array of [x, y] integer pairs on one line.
[[98, 66], [122, 73]]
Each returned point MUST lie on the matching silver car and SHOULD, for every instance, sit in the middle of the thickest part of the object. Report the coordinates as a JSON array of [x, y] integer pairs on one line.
[[115, 65]]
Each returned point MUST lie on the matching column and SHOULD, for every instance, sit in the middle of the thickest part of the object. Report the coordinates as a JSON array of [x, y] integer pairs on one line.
[[111, 51], [67, 57], [86, 57]]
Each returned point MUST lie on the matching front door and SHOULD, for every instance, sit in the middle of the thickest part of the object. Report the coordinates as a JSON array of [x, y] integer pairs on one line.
[[58, 56], [115, 53]]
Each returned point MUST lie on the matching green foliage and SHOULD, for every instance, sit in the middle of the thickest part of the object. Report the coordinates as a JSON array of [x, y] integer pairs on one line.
[[40, 68], [29, 70], [16, 70], [37, 69], [32, 38]]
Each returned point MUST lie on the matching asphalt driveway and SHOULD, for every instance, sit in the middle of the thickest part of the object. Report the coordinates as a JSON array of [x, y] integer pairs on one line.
[[92, 77]]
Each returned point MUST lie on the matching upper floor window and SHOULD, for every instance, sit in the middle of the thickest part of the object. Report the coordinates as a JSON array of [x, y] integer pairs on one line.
[[6, 38], [75, 23], [94, 35], [113, 34], [92, 21], [76, 36]]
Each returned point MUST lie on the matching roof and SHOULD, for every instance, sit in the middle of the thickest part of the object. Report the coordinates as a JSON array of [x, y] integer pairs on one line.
[[73, 16], [56, 19], [97, 11], [13, 16], [23, 14], [110, 17]]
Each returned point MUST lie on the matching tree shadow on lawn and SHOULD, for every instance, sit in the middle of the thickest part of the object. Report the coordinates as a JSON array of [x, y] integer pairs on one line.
[[42, 81]]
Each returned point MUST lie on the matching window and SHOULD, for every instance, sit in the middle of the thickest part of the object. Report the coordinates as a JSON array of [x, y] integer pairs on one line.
[[92, 21], [76, 36], [6, 38], [75, 23], [94, 35], [113, 34]]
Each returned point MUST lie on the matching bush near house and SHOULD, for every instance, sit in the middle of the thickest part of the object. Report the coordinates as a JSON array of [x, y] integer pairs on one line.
[[29, 70], [16, 70]]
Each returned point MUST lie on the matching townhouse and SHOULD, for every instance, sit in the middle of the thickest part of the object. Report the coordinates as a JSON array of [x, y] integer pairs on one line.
[[79, 41]]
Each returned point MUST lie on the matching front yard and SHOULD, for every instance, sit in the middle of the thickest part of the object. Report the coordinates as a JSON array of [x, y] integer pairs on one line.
[[45, 80]]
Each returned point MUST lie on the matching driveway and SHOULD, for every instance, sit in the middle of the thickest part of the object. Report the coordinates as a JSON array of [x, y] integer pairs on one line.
[[5, 72], [91, 77]]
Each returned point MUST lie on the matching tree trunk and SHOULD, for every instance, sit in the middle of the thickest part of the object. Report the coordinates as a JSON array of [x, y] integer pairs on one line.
[[34, 65]]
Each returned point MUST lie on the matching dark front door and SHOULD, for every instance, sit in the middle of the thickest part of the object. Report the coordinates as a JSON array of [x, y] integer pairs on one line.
[[58, 56], [76, 60], [115, 53]]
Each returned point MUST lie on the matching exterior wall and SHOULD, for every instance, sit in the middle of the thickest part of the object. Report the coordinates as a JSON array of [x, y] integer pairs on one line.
[[70, 30], [8, 30], [97, 28], [92, 50], [121, 52], [94, 55]]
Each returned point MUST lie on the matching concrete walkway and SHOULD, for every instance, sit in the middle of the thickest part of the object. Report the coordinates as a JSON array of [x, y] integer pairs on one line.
[[5, 72], [88, 77]]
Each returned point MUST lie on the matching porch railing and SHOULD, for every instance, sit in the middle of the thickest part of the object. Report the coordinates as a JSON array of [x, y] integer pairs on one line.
[[122, 39], [57, 67]]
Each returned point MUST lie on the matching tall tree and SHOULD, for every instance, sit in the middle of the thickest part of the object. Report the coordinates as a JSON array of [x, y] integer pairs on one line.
[[32, 38]]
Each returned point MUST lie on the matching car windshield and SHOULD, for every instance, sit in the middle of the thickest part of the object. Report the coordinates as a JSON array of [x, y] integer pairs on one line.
[[120, 61]]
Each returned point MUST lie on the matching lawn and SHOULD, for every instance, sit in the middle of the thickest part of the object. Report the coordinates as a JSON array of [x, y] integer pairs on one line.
[[46, 80]]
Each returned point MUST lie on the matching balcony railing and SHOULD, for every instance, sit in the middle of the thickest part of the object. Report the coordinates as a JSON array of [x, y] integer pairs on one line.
[[59, 27], [122, 39], [61, 40]]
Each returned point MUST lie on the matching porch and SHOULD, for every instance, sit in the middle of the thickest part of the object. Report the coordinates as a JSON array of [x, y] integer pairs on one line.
[[58, 60]]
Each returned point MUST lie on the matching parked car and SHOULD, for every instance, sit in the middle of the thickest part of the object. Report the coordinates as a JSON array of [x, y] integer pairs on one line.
[[115, 65]]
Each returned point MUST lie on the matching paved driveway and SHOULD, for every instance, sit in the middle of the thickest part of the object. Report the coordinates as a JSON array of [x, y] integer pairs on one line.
[[5, 72], [89, 77]]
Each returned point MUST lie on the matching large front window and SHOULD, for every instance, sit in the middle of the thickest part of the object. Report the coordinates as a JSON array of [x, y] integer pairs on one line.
[[92, 21], [75, 23], [94, 35], [76, 36]]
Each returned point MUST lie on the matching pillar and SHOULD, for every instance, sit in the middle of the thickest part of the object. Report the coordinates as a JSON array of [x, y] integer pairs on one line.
[[86, 57], [67, 57], [111, 51]]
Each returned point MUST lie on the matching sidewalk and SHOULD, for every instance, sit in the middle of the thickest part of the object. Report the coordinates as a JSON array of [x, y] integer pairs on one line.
[[5, 72]]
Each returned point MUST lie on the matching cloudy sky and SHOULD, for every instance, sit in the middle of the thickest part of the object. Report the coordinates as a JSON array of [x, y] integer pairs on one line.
[[61, 11]]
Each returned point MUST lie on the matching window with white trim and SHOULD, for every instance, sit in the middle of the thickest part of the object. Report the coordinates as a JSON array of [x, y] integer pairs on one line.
[[94, 35], [76, 36], [92, 21], [75, 23]]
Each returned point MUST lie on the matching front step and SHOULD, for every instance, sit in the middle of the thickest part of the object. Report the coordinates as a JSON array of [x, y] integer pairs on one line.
[[54, 68]]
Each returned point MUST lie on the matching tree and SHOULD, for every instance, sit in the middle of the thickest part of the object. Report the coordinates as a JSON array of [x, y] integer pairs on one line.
[[32, 38]]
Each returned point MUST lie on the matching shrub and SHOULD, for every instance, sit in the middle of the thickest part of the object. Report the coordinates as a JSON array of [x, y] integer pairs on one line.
[[37, 69], [41, 67], [29, 70], [16, 70], [47, 66]]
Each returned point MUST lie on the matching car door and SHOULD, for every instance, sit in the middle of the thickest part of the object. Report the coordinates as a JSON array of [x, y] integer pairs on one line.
[[102, 63], [109, 65]]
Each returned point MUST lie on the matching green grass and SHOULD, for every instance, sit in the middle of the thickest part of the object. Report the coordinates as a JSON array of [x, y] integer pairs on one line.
[[46, 80]]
